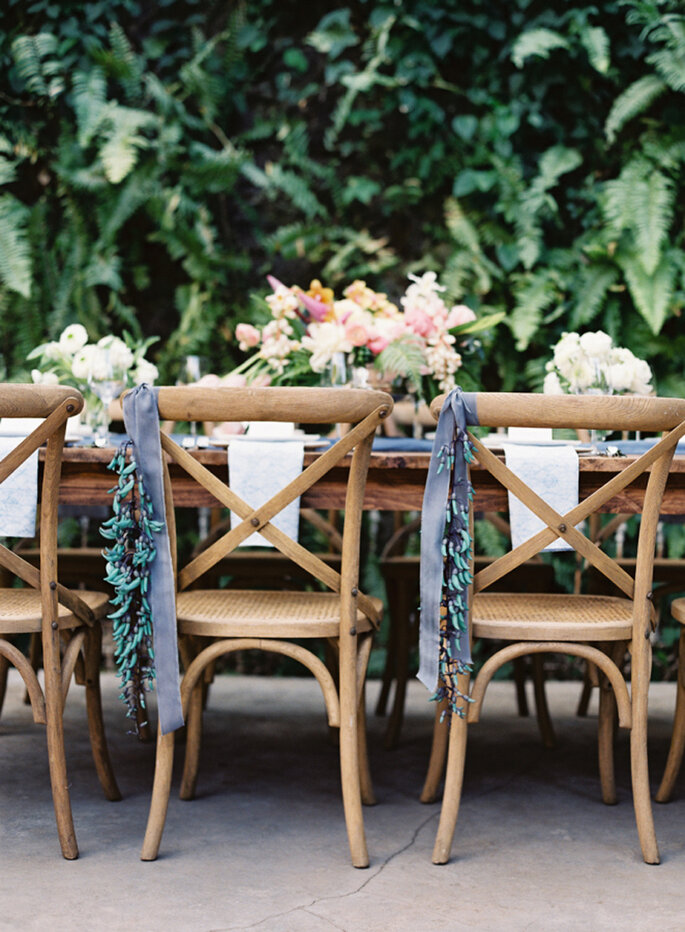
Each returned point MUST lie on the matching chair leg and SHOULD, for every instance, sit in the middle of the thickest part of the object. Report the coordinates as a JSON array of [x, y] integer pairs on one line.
[[365, 782], [520, 682], [436, 762], [56, 756], [402, 648], [349, 755], [388, 670], [4, 667], [675, 751], [549, 739], [96, 726], [164, 762], [451, 799], [193, 742], [586, 692], [605, 740], [35, 656], [644, 817]]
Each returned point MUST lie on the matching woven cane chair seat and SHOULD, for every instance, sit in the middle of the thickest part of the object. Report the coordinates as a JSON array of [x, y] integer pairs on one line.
[[20, 610], [239, 612], [558, 617]]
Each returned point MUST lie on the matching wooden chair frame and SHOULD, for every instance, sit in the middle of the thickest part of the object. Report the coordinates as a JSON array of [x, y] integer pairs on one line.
[[74, 638], [364, 411], [602, 412]]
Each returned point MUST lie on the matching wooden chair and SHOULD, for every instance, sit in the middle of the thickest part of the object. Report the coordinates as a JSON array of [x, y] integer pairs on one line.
[[400, 572], [595, 627], [214, 622], [675, 751], [68, 623]]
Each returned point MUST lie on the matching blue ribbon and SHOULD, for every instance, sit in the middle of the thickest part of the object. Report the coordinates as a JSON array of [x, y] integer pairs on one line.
[[444, 518], [141, 418]]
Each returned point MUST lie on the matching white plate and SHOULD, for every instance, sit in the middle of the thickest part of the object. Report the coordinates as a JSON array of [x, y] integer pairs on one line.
[[310, 440], [497, 441]]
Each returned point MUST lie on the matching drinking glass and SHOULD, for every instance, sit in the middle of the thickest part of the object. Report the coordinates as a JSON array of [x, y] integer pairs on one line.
[[106, 384]]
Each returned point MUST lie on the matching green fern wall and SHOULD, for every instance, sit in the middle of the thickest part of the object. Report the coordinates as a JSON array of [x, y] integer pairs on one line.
[[157, 159]]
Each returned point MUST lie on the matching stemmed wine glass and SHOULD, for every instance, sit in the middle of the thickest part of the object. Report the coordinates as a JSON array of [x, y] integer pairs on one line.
[[106, 383], [190, 374]]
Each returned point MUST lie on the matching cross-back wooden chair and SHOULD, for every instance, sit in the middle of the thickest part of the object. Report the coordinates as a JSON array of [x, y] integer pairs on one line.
[[595, 627], [68, 622], [214, 622]]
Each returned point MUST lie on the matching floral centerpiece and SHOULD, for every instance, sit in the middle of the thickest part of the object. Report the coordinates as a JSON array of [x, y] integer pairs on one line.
[[589, 363], [307, 331], [73, 360]]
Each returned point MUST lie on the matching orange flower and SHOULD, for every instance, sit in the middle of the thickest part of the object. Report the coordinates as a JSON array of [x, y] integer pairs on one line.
[[319, 293]]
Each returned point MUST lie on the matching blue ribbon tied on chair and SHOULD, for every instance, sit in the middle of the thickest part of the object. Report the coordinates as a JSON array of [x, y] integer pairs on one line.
[[446, 551]]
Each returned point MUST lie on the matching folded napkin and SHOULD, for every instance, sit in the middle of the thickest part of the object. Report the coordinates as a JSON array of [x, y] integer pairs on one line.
[[257, 471], [18, 494], [551, 472]]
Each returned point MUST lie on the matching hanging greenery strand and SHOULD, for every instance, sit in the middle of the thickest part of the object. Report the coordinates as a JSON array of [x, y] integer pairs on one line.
[[128, 571]]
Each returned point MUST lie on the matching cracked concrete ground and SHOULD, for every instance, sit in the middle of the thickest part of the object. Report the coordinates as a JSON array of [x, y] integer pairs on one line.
[[263, 846]]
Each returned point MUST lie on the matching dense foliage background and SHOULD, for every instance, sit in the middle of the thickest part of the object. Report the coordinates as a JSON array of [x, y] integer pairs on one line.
[[157, 159]]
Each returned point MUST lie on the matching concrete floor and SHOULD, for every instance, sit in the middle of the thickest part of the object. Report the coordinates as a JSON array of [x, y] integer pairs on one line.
[[264, 847]]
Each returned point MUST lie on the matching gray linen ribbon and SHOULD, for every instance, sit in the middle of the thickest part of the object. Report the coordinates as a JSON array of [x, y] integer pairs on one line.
[[141, 419], [443, 483]]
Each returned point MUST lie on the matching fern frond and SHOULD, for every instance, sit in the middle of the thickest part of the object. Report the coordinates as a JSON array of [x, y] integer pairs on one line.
[[652, 294], [403, 357], [636, 98], [126, 64], [123, 140], [593, 286], [596, 43], [539, 42], [460, 227], [296, 189], [555, 162], [40, 71], [670, 65], [213, 170], [652, 204], [534, 294], [15, 250], [90, 101]]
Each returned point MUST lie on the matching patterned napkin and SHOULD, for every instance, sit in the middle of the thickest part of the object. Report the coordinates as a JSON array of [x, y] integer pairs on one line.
[[551, 472], [18, 494], [257, 470]]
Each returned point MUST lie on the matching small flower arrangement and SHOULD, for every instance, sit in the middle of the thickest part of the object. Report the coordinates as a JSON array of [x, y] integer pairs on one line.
[[307, 329], [72, 360], [589, 363]]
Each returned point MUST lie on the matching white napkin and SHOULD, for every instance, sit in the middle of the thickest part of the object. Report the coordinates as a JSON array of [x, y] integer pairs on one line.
[[18, 494], [551, 472], [257, 471]]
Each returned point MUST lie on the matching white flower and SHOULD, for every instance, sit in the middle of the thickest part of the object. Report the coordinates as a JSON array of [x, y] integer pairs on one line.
[[73, 338], [90, 362], [120, 356], [582, 374], [552, 385], [145, 372], [642, 376], [44, 378], [565, 352], [323, 341], [596, 344]]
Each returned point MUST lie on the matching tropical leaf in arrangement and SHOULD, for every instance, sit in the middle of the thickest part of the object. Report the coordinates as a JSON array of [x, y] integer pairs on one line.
[[15, 250], [404, 357], [652, 294], [536, 42], [633, 101]]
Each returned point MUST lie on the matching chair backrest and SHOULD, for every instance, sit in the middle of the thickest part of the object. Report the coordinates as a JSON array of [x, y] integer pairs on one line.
[[648, 414], [360, 410], [53, 405]]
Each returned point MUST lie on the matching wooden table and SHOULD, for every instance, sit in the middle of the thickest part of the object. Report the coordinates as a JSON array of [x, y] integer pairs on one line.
[[395, 483]]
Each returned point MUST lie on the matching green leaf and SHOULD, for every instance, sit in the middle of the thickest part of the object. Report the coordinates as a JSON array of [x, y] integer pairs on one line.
[[596, 44], [633, 101], [334, 34], [15, 250], [538, 42], [652, 294]]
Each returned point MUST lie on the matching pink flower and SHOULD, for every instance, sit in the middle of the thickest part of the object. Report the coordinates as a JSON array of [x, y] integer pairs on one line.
[[316, 308], [419, 322], [460, 314], [377, 344], [248, 336], [209, 381], [356, 332]]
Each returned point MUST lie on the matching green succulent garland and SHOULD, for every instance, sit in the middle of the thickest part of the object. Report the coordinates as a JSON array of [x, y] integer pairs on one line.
[[457, 577], [129, 558]]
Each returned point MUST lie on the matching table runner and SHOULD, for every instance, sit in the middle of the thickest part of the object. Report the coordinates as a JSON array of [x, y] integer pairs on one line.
[[18, 493], [444, 643]]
